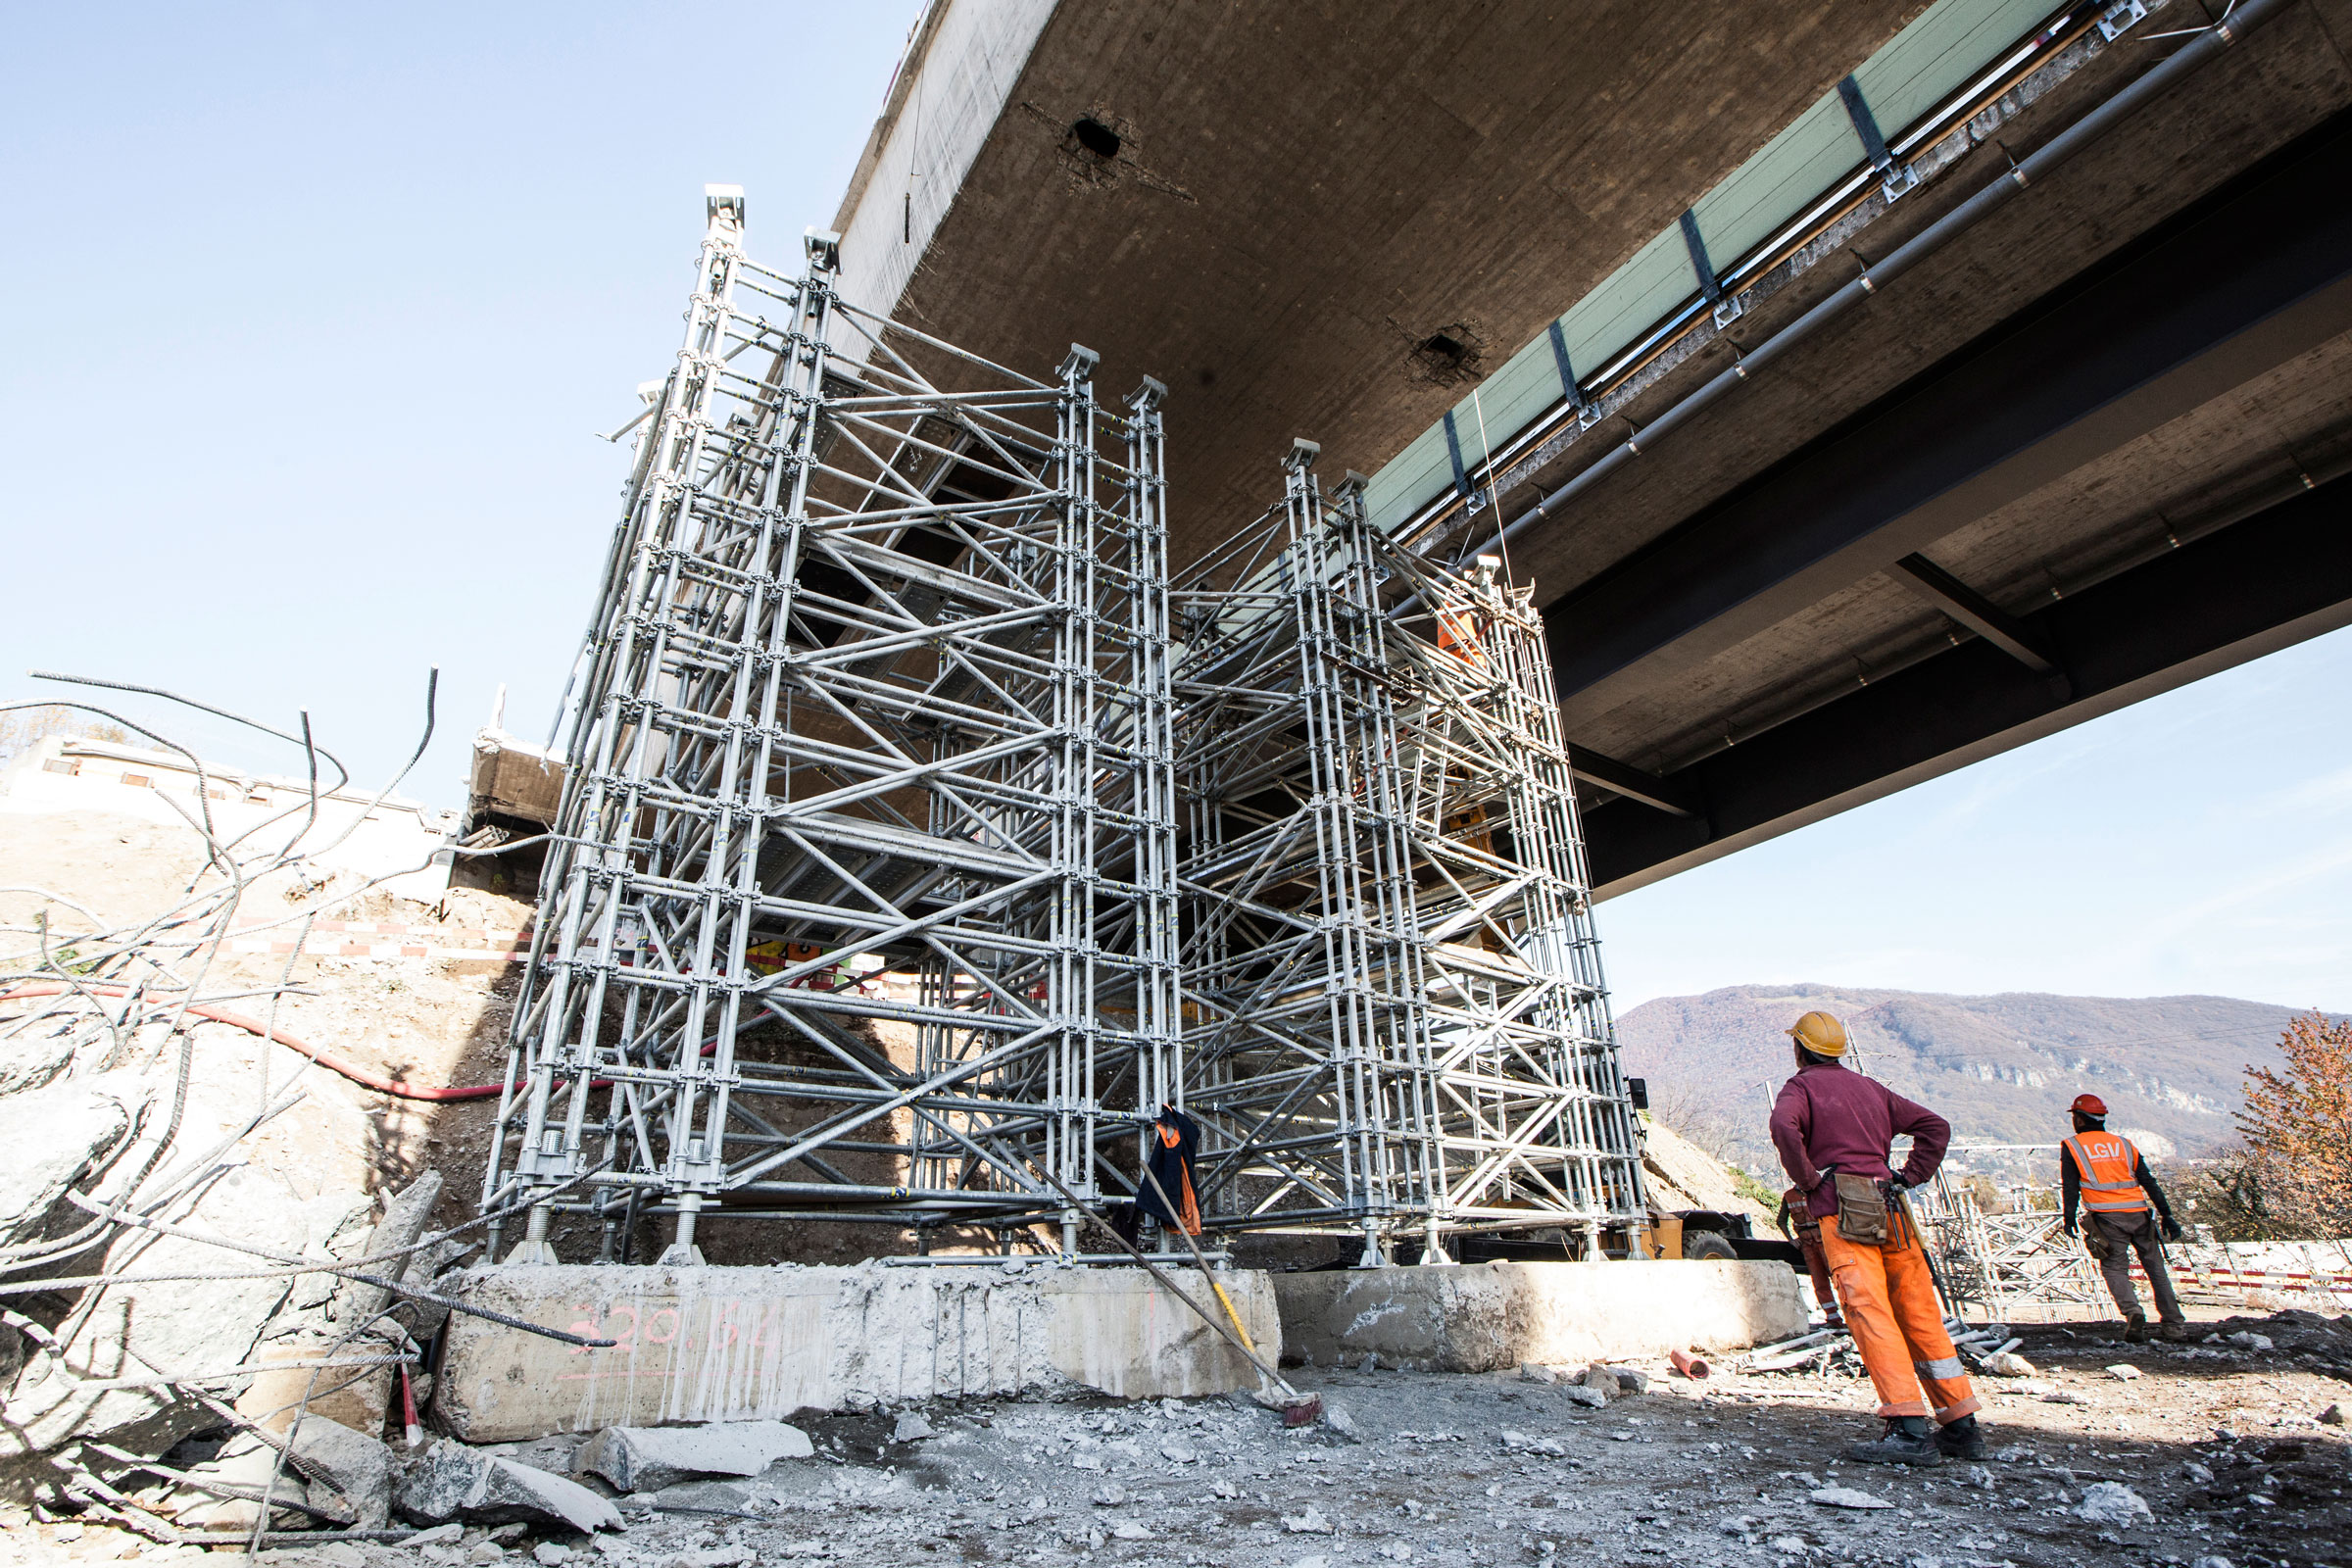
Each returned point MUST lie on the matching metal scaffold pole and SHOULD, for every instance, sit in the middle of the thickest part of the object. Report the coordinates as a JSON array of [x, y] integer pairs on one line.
[[861, 905], [1397, 1021], [920, 841]]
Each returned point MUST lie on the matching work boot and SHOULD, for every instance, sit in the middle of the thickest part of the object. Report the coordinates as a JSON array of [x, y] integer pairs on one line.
[[1906, 1443], [2176, 1333], [2135, 1329], [1961, 1440]]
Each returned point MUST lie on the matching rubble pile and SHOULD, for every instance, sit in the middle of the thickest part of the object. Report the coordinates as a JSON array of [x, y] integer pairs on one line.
[[2217, 1452], [218, 1231]]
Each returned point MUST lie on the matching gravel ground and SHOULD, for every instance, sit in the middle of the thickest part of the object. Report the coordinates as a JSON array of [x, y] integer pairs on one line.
[[2220, 1441]]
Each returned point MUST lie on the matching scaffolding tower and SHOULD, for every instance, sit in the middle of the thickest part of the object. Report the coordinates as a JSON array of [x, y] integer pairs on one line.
[[876, 684], [1396, 1021]]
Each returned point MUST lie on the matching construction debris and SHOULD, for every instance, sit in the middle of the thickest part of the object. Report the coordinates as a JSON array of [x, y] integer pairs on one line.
[[451, 1481], [1495, 1465], [647, 1458]]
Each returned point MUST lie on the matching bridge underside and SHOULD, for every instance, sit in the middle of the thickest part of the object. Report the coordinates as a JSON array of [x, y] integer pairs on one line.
[[2085, 453]]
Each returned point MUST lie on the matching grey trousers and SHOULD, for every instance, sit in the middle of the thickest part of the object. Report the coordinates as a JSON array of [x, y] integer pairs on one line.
[[2113, 1239]]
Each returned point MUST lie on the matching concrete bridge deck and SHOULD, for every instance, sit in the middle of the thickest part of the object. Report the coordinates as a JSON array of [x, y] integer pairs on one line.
[[2081, 454]]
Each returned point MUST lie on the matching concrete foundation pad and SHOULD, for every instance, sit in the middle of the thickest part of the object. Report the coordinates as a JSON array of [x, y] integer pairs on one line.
[[1484, 1317], [758, 1344]]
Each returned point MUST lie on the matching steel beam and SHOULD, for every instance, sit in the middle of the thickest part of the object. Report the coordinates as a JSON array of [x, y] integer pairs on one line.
[[1977, 613], [2263, 584], [1674, 797]]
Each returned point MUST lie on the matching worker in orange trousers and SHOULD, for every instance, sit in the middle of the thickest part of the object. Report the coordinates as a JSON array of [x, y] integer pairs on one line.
[[1833, 1128]]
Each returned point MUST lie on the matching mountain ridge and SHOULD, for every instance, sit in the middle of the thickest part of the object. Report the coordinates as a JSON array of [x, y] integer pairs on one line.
[[2001, 1067]]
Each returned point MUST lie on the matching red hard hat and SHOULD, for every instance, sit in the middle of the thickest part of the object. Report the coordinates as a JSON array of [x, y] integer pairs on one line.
[[2089, 1106]]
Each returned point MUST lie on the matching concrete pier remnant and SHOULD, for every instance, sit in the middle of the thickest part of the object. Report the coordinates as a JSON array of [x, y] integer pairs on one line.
[[1486, 1316], [712, 1344]]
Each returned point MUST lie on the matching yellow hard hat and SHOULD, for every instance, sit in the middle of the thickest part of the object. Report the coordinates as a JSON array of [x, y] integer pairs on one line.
[[1821, 1034]]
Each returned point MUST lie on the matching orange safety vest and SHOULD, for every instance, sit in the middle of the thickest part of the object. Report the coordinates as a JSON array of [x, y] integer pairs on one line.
[[1187, 1207], [2109, 1167]]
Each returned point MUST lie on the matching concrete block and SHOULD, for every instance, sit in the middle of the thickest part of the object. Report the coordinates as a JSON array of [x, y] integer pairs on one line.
[[449, 1482], [49, 1140], [758, 1344], [355, 1468], [647, 1458], [1485, 1317]]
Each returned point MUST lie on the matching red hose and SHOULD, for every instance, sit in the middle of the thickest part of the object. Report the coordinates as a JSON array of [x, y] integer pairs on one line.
[[395, 1088]]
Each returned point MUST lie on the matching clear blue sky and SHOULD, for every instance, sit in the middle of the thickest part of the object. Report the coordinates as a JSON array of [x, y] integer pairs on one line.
[[308, 313]]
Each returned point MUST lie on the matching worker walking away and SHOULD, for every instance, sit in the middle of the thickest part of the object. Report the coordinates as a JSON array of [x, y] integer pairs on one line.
[[1834, 1127], [2109, 1177]]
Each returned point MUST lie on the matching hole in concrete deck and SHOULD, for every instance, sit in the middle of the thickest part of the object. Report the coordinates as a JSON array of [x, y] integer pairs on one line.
[[1447, 356], [1446, 351], [1097, 137]]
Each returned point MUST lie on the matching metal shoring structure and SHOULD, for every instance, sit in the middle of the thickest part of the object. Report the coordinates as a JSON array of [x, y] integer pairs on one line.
[[1397, 1020], [1531, 1109], [1305, 1045], [877, 680]]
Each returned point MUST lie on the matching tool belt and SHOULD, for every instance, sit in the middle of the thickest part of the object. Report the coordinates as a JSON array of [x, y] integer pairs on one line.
[[1870, 1212], [1861, 1210]]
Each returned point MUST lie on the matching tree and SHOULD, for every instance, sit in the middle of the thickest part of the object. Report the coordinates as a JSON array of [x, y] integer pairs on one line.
[[2225, 1193], [2298, 1127], [22, 728]]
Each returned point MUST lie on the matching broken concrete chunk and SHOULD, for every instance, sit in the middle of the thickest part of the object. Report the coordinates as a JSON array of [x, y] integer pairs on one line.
[[2125, 1371], [1531, 1372], [912, 1428], [2333, 1416], [1846, 1497], [354, 1467], [1590, 1399], [2008, 1364], [1601, 1380], [2251, 1341], [32, 1064], [434, 1485], [1630, 1379], [437, 1536], [1337, 1418], [223, 1493], [404, 1221], [2111, 1503], [450, 1480], [49, 1140], [647, 1458]]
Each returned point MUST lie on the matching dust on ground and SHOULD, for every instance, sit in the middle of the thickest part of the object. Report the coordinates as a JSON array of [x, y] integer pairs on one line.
[[2220, 1441]]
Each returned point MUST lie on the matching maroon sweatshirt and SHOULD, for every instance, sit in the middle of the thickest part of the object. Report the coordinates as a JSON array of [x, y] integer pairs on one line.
[[1827, 1116]]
